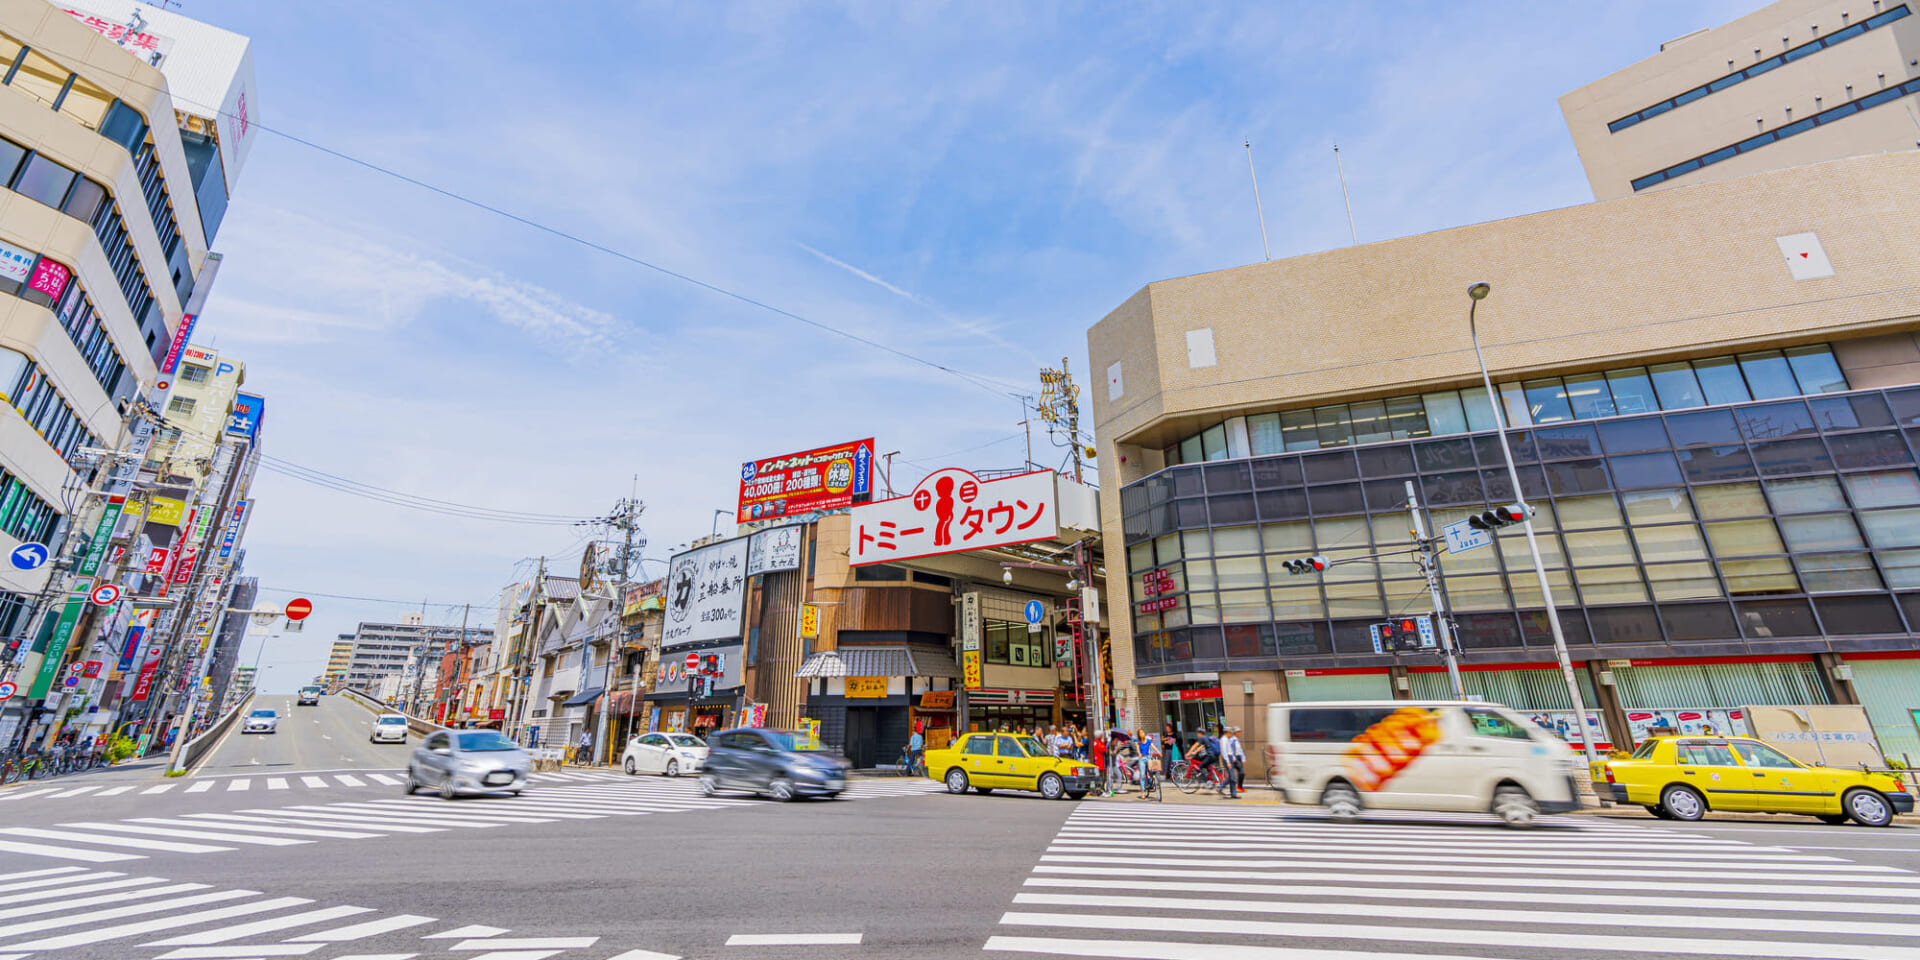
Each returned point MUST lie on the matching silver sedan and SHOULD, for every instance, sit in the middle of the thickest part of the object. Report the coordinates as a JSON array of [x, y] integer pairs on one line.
[[457, 762]]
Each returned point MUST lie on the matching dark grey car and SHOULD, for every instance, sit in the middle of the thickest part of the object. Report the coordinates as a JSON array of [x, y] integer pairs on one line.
[[468, 761], [771, 762]]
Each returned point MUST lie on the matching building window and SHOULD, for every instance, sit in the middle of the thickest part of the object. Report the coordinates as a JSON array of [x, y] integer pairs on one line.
[[193, 373], [181, 405]]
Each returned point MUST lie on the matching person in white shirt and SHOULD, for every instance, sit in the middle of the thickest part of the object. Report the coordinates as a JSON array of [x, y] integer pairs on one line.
[[1235, 757]]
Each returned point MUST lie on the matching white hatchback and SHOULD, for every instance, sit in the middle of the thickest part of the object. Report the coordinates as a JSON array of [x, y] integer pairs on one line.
[[261, 721], [388, 728], [671, 754]]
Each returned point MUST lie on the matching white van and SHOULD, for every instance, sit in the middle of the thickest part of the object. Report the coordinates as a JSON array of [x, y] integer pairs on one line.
[[1444, 755]]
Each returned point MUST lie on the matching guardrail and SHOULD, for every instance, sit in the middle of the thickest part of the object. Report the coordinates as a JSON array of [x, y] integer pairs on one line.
[[197, 749], [415, 725]]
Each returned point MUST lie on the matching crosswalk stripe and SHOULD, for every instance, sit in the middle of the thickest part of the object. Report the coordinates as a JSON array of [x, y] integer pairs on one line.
[[383, 778], [488, 812], [24, 794], [115, 791], [1160, 950], [450, 812], [72, 793], [270, 925], [466, 932], [68, 890], [360, 930], [109, 841], [232, 822], [65, 853], [527, 943], [240, 953], [164, 923], [45, 875], [8, 931], [314, 782], [325, 820], [350, 780], [242, 784], [276, 783], [438, 820], [116, 896], [144, 828], [1431, 879], [161, 788], [1299, 857], [201, 787]]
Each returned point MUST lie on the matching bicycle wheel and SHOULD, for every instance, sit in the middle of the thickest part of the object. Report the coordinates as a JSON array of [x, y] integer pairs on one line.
[[1186, 781]]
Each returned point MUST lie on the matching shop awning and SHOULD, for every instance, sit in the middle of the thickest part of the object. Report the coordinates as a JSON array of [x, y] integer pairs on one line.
[[883, 660], [588, 695]]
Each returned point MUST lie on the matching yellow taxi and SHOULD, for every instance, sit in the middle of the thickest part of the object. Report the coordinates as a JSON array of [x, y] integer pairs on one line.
[[1681, 778], [985, 762]]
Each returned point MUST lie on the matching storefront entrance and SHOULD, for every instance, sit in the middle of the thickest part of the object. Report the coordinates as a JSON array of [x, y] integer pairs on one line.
[[1192, 711]]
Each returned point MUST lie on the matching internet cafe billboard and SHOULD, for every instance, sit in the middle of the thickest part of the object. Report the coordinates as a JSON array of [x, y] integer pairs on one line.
[[826, 478]]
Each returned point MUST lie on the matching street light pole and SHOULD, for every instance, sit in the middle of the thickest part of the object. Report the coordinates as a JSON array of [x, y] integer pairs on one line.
[[1476, 293]]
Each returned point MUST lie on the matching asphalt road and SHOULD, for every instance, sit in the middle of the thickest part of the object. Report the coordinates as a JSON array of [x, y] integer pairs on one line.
[[330, 736], [598, 866]]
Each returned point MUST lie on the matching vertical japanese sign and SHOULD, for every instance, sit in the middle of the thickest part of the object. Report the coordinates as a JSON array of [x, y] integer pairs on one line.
[[810, 621], [952, 511], [50, 277], [183, 571], [57, 645], [826, 478], [102, 532], [135, 633], [970, 666], [144, 684], [970, 626], [179, 344]]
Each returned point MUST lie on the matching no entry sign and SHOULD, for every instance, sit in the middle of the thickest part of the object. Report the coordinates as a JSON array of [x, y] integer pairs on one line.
[[693, 662], [298, 608]]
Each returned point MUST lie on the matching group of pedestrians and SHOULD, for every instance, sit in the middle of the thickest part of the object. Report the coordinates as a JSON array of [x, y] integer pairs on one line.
[[1220, 747]]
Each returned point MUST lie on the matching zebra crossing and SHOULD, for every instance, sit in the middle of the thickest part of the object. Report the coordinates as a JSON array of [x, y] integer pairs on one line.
[[65, 789], [555, 798], [1202, 883], [51, 911]]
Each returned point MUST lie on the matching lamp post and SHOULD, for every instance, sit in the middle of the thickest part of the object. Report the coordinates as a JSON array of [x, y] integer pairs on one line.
[[1476, 293], [717, 514]]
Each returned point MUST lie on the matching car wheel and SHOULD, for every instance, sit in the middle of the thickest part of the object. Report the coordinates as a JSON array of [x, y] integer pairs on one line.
[[413, 785], [631, 768], [1342, 802], [1867, 807], [1661, 812], [1684, 803], [780, 789], [1052, 787], [1516, 808], [708, 785], [673, 768], [1833, 818], [446, 788], [956, 780]]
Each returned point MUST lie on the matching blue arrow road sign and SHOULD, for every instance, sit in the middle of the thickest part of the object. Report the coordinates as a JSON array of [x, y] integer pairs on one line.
[[29, 556], [1035, 610]]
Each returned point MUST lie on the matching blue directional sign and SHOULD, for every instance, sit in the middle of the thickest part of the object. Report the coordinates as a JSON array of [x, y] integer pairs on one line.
[[1035, 610], [29, 556]]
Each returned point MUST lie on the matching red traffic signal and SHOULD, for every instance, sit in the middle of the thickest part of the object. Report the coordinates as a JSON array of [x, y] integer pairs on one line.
[[1501, 516]]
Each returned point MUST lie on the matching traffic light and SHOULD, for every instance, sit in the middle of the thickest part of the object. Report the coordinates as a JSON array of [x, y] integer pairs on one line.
[[1308, 565], [1501, 516], [1399, 635]]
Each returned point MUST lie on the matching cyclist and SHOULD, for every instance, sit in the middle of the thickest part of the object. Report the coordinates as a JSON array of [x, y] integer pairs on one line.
[[1149, 758], [916, 751], [1206, 753]]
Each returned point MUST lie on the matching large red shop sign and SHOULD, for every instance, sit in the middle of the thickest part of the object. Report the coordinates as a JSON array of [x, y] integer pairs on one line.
[[826, 478]]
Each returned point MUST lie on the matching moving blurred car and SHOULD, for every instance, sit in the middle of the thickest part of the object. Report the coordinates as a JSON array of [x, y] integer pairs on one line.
[[1437, 755], [671, 754], [388, 728], [309, 697], [460, 762], [987, 762], [261, 721], [1681, 778], [772, 762]]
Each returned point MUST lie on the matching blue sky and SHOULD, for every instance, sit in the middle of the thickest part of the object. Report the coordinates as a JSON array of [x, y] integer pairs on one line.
[[974, 183]]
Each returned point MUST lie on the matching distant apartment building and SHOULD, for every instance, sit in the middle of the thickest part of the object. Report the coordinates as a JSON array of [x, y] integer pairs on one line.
[[378, 650], [1796, 82]]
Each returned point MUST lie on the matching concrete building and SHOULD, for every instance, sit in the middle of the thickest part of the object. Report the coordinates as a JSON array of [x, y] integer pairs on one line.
[[1710, 386], [1795, 82], [339, 659], [396, 649], [205, 387]]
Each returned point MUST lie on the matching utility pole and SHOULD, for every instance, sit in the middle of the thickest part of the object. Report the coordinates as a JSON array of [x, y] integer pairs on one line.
[[1059, 405], [1427, 568], [624, 518], [523, 668]]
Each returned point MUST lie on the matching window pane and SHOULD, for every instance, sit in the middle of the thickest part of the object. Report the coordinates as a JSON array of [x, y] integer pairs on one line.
[[1479, 409], [1547, 401], [1557, 443], [1676, 386], [1851, 413], [1335, 425], [1263, 434], [1815, 369], [1852, 451], [1278, 472], [1369, 421], [1806, 495], [1625, 625], [1892, 528], [1783, 457], [86, 103], [1611, 585], [1657, 506], [1588, 395], [1520, 560], [1440, 455], [1336, 499], [1767, 375], [1407, 417], [1890, 488], [1228, 541], [1581, 513], [1449, 488], [1745, 538], [1713, 426], [1227, 478], [1167, 548], [44, 180], [1834, 572], [1645, 470], [1386, 461], [1213, 442], [1720, 380], [1596, 548], [1775, 420], [1297, 428], [1526, 589], [1632, 390], [1330, 467], [1902, 568], [1239, 572], [1710, 464], [1576, 476], [1679, 541], [1759, 577], [1444, 413], [1698, 621], [1190, 450], [40, 78], [1778, 618], [1724, 500], [1859, 615], [1832, 531], [1634, 436], [1361, 599], [1244, 606], [1282, 504], [1477, 593], [10, 156], [1298, 603]]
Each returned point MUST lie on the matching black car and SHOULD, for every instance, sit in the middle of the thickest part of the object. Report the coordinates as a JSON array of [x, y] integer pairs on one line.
[[772, 762]]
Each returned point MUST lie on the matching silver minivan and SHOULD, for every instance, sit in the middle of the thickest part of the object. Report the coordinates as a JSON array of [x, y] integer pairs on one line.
[[457, 762]]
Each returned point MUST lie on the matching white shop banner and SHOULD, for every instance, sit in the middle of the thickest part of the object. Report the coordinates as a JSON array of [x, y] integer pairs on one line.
[[953, 511], [706, 591], [774, 550]]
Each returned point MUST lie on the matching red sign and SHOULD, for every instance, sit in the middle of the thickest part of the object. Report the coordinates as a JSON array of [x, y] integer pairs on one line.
[[950, 511], [298, 608], [1157, 582], [144, 683], [693, 662], [157, 559], [50, 277], [91, 668], [183, 571], [497, 714], [1155, 606], [827, 478]]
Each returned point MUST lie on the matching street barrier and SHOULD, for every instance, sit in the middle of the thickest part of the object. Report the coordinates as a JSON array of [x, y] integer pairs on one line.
[[197, 749]]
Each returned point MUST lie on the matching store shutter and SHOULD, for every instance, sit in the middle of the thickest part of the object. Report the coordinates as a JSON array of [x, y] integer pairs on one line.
[[1341, 686], [1520, 689], [1718, 685], [1890, 690]]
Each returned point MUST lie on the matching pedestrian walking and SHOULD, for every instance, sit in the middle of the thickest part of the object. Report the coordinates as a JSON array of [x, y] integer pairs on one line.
[[1236, 758]]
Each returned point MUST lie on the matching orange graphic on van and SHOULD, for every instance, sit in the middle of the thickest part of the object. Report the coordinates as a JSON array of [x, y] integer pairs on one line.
[[1384, 749]]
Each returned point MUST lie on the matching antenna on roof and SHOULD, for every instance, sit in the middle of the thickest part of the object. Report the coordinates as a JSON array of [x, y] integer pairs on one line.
[[1343, 194], [1264, 250]]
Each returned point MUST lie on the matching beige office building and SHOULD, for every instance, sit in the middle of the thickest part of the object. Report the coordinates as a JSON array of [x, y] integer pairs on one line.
[[1795, 82]]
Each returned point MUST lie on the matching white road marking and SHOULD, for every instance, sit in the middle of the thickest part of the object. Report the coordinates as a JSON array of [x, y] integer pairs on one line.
[[201, 787], [162, 788], [65, 853], [29, 793], [165, 923], [39, 877], [233, 785], [629, 955], [138, 843], [276, 783], [1135, 950], [349, 780], [241, 952], [270, 925], [114, 791], [116, 896], [314, 782], [389, 781], [115, 913], [72, 793], [69, 890], [368, 929], [141, 826], [527, 943], [228, 821], [467, 932], [791, 939]]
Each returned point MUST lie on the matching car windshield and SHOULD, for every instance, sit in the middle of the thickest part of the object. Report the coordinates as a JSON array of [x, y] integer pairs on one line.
[[484, 740], [262, 713], [385, 721], [1645, 750], [686, 740], [792, 741]]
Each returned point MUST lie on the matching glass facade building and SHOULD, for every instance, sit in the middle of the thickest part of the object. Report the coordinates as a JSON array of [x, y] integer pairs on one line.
[[1785, 525]]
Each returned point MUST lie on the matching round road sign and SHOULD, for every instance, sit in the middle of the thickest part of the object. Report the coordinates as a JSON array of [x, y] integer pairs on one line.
[[7, 689], [70, 682], [1035, 610], [105, 594], [693, 662], [298, 608], [29, 556]]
